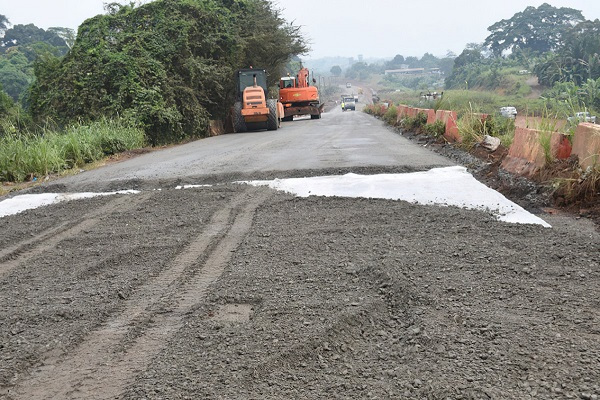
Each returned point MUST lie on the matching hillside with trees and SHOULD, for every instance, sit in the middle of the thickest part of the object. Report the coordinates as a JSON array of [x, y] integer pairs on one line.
[[165, 68], [557, 45], [167, 65], [21, 46]]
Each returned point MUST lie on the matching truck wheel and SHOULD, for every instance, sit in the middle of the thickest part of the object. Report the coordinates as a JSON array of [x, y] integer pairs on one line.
[[239, 124], [288, 118], [313, 116], [272, 119]]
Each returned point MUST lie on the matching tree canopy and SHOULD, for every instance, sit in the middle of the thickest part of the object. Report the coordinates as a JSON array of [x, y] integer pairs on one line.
[[4, 22], [336, 70], [578, 60], [168, 64], [540, 29], [23, 35]]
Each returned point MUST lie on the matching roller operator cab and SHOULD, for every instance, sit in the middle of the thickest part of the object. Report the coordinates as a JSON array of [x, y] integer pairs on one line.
[[252, 109]]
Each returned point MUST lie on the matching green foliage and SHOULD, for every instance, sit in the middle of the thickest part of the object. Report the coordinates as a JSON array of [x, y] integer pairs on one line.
[[16, 73], [167, 65], [473, 71], [25, 35], [414, 123], [25, 156], [580, 186], [4, 22], [436, 130], [424, 82], [395, 63], [391, 115], [6, 103], [565, 99], [377, 110], [361, 71], [578, 60], [20, 46], [473, 126], [540, 29], [336, 70], [545, 139]]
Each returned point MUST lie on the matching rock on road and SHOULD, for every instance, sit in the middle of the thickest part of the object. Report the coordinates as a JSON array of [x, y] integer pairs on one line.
[[236, 292]]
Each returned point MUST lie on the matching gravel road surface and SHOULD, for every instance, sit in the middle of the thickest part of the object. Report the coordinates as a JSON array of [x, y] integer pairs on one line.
[[239, 292]]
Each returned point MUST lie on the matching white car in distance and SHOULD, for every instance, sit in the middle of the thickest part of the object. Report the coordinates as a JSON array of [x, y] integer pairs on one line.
[[508, 112]]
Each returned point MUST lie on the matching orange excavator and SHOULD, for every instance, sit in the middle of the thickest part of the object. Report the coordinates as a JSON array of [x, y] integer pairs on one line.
[[298, 97]]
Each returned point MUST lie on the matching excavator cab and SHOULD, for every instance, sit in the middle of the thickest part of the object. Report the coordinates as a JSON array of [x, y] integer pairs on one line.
[[252, 109], [287, 82]]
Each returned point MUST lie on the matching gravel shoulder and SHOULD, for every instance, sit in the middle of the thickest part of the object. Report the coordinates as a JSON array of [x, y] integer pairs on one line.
[[236, 292], [294, 298]]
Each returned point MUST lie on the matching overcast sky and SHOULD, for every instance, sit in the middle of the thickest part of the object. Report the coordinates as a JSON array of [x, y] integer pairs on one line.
[[373, 28]]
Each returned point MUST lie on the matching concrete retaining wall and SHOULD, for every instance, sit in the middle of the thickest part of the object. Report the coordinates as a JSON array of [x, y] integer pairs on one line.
[[526, 154], [449, 118], [586, 144]]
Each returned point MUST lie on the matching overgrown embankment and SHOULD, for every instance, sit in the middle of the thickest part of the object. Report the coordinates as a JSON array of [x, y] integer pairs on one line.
[[160, 71], [167, 66]]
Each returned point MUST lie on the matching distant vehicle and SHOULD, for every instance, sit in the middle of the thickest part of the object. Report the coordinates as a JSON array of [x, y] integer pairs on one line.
[[348, 103], [582, 117], [356, 98], [508, 112], [524, 72], [348, 85]]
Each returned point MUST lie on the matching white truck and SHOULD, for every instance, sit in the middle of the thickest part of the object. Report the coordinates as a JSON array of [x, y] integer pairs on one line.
[[583, 116]]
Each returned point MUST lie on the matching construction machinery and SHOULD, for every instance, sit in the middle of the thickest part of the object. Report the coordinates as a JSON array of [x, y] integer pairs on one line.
[[252, 110], [299, 97]]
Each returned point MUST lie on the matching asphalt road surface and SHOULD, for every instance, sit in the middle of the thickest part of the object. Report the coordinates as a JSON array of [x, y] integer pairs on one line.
[[230, 291]]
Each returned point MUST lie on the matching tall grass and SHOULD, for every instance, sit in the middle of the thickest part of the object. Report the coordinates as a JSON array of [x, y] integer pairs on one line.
[[26, 156], [473, 127]]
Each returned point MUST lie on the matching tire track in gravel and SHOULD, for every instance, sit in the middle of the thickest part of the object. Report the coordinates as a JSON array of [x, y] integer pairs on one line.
[[13, 256], [95, 369]]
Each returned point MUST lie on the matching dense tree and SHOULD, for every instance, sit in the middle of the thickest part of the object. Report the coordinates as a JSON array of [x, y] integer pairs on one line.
[[66, 34], [540, 29], [411, 61], [577, 60], [20, 46], [336, 70], [428, 61], [6, 104], [395, 62], [23, 35], [16, 73], [4, 23], [361, 70], [168, 64]]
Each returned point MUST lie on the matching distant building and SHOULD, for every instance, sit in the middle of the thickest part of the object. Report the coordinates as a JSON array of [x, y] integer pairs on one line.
[[405, 71]]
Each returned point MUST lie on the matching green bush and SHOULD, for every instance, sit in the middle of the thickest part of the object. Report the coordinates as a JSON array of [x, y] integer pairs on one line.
[[414, 123], [437, 129], [391, 115]]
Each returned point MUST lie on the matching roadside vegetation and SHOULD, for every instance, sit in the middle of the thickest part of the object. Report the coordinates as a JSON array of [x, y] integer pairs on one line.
[[164, 69], [543, 61], [31, 156]]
